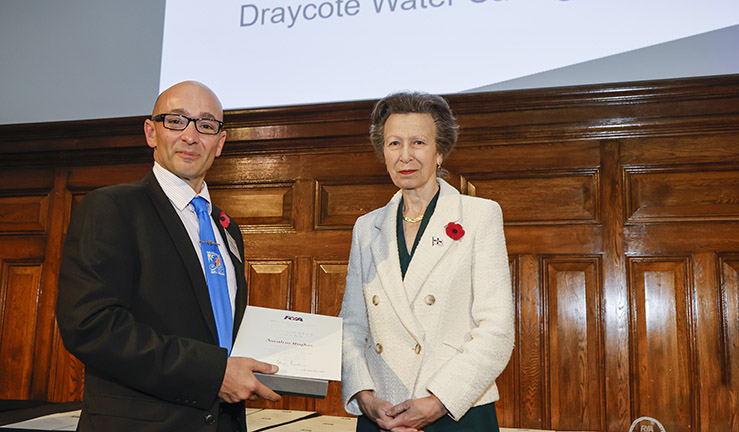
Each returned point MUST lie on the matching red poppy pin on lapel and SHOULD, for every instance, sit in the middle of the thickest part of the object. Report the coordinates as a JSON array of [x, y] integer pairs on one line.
[[225, 221], [455, 231]]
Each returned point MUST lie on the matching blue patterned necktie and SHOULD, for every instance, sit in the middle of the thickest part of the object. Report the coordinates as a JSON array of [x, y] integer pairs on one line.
[[215, 275]]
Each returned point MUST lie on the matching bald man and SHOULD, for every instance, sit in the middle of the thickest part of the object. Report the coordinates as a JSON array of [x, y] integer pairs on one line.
[[134, 303]]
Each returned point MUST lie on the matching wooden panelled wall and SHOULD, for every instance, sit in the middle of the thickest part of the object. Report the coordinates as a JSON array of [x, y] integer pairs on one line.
[[621, 205]]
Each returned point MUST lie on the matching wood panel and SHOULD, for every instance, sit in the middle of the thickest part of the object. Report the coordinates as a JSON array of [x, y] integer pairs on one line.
[[659, 195], [530, 342], [83, 179], [329, 278], [489, 156], [26, 200], [717, 306], [258, 208], [728, 312], [507, 408], [528, 200], [19, 297], [676, 150], [556, 239], [697, 236], [620, 203], [724, 411], [662, 368], [24, 213], [575, 374], [339, 203], [270, 283], [270, 286]]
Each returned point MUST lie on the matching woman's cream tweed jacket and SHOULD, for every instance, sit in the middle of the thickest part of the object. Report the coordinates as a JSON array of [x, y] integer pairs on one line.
[[447, 328]]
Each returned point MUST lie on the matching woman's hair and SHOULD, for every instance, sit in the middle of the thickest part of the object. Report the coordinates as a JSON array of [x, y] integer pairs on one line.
[[415, 103]]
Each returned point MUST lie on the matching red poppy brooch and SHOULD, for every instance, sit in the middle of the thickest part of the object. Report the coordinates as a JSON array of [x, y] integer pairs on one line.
[[455, 231], [225, 221]]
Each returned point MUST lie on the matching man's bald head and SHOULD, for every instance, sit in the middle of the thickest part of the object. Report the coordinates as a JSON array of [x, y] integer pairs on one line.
[[189, 90]]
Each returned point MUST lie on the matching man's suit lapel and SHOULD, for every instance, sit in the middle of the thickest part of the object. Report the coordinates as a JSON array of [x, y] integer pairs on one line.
[[183, 244], [237, 260], [434, 243], [385, 256]]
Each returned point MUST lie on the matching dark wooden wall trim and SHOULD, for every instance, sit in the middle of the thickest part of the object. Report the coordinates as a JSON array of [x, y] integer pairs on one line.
[[654, 108], [621, 204]]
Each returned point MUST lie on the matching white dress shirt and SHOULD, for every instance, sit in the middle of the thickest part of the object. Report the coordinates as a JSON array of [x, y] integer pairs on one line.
[[180, 194]]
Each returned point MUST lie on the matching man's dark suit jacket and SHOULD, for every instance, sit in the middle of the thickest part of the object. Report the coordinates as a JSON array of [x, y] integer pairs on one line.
[[133, 306]]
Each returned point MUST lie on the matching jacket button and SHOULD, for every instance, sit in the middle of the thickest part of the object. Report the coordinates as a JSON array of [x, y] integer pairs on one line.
[[418, 349], [430, 299], [210, 419], [375, 300], [378, 348]]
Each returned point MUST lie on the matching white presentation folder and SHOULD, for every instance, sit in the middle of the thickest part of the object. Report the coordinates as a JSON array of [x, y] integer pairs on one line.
[[306, 347]]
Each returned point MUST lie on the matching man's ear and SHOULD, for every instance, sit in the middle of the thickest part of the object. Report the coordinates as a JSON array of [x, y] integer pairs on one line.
[[221, 142], [150, 133]]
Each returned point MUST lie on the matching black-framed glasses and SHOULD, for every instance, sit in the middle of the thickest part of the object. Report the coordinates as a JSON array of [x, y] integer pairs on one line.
[[179, 122]]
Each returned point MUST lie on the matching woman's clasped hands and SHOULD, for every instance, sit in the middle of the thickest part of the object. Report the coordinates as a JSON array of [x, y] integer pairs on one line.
[[411, 415]]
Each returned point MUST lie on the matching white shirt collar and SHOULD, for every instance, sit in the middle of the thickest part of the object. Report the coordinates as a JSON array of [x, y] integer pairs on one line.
[[178, 192]]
